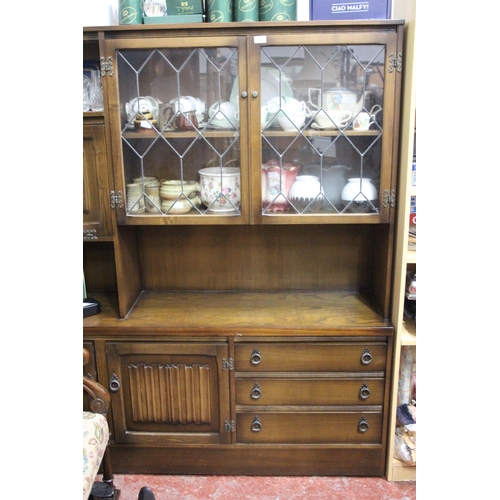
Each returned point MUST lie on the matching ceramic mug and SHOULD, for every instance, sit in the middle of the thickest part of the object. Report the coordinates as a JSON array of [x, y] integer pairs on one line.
[[362, 121]]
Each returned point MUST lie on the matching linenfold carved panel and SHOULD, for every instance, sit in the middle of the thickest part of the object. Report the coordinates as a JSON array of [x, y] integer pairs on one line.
[[175, 394]]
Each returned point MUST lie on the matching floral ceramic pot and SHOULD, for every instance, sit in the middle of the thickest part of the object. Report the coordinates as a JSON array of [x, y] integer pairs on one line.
[[220, 188]]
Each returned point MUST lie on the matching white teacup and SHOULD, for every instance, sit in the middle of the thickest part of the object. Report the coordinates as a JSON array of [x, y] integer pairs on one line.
[[223, 111], [332, 119], [184, 104], [291, 122]]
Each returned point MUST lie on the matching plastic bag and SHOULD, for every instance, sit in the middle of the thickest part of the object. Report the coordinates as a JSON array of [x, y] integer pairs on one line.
[[405, 444]]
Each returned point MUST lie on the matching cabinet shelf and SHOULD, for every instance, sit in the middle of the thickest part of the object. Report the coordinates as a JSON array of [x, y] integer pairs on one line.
[[402, 471], [411, 257], [181, 135], [296, 313], [320, 133], [409, 332], [234, 133]]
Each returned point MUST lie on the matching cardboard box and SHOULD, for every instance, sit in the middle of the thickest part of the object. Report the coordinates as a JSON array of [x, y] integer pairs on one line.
[[337, 10], [184, 7], [194, 18]]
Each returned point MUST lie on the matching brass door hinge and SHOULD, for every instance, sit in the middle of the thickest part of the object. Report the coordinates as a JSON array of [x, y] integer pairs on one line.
[[106, 66], [395, 62], [116, 199], [227, 364], [89, 234], [389, 199], [229, 426]]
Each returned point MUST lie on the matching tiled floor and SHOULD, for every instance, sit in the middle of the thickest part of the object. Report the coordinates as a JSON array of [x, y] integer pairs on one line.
[[264, 488]]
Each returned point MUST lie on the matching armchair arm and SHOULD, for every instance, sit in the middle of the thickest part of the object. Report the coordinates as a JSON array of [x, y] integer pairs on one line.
[[100, 397]]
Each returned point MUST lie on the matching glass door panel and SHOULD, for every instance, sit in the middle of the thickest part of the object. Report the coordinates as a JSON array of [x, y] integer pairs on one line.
[[179, 131], [322, 128]]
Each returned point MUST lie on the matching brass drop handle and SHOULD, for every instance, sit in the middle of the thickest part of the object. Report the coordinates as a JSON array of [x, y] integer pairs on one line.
[[255, 358], [364, 391], [114, 383], [255, 393], [366, 357], [363, 424], [256, 424]]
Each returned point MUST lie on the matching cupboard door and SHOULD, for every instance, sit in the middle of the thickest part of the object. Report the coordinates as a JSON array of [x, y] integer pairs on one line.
[[178, 129], [97, 219], [169, 392], [326, 116]]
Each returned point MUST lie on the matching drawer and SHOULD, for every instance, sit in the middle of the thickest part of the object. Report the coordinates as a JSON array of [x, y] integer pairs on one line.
[[283, 391], [309, 427], [310, 357]]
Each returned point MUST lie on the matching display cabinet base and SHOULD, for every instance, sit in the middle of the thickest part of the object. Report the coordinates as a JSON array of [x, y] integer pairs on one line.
[[250, 460]]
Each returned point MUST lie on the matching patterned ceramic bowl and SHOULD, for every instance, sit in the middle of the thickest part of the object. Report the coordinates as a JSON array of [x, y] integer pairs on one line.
[[220, 188]]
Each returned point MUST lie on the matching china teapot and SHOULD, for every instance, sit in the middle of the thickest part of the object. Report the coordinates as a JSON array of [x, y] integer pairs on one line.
[[337, 98]]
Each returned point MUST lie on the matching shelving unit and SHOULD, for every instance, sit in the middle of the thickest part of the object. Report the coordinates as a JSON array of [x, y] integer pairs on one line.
[[405, 329]]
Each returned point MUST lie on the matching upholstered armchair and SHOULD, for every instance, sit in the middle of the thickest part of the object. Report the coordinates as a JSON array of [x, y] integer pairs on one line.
[[95, 441]]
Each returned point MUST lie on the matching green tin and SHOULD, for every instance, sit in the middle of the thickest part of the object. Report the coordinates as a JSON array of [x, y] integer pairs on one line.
[[184, 7], [246, 10], [130, 12], [277, 10], [219, 11]]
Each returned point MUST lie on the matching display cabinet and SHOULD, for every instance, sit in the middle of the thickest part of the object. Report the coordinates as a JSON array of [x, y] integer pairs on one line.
[[222, 126], [254, 188]]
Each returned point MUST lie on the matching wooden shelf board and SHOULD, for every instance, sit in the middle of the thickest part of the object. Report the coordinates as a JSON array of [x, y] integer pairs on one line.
[[402, 471], [409, 332], [411, 257], [294, 312]]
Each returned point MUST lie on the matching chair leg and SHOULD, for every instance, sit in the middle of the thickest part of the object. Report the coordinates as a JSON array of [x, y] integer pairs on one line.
[[105, 489], [107, 471]]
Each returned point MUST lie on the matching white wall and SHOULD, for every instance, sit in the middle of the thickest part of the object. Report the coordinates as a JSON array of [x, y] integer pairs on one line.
[[105, 12], [100, 12]]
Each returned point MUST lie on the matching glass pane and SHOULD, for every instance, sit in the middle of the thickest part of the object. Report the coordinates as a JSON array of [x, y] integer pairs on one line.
[[321, 128], [179, 129]]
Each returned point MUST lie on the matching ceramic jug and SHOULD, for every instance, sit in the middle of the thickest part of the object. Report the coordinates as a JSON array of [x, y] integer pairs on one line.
[[333, 179]]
